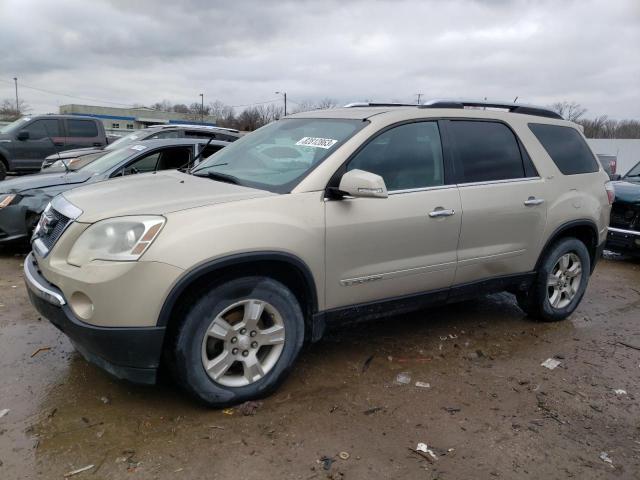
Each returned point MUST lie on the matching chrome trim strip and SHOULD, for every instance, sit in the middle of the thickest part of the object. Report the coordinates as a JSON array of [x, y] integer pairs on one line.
[[421, 189], [45, 292], [65, 207], [625, 232], [492, 182]]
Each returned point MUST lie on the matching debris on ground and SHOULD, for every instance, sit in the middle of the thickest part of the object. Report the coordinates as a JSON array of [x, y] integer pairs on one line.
[[249, 408], [423, 385], [344, 455], [620, 391], [41, 349], [422, 447], [79, 470], [228, 411], [367, 363], [451, 410], [550, 363], [604, 456], [4, 412], [628, 345], [326, 462], [105, 400], [373, 410], [403, 378]]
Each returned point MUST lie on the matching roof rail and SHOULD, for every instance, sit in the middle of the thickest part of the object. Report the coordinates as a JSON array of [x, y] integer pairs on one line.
[[375, 104], [510, 106]]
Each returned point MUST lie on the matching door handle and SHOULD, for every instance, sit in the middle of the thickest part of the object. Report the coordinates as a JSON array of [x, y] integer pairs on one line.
[[97, 144], [533, 201], [59, 144], [441, 212]]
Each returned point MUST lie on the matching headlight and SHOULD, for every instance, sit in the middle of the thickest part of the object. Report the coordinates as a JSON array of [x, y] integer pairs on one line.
[[6, 199], [122, 239]]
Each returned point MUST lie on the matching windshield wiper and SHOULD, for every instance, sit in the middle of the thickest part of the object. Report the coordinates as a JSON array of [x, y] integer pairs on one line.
[[221, 177]]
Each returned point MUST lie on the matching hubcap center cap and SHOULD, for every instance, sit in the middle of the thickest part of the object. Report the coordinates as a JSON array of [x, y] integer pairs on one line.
[[243, 342]]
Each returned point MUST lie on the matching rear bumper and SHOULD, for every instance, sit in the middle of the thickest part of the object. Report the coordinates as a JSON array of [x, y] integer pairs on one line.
[[129, 353], [623, 241]]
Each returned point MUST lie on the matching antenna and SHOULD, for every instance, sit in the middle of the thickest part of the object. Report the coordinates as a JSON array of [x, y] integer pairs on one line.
[[199, 153]]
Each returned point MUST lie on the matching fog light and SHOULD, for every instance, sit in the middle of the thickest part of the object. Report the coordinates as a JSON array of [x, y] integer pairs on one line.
[[81, 305]]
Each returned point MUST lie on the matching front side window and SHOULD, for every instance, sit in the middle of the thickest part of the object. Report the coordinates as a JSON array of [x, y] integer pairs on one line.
[[485, 151], [276, 157], [43, 129], [407, 156], [566, 147], [81, 128]]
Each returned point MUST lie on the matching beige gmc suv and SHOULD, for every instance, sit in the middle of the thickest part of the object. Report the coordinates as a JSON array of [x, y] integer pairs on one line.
[[221, 273]]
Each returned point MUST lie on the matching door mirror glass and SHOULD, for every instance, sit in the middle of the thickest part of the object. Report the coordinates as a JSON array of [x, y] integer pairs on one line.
[[23, 135], [615, 176], [358, 183]]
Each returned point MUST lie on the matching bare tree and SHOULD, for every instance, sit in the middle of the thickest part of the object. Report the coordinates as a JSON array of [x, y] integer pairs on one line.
[[8, 111], [571, 111]]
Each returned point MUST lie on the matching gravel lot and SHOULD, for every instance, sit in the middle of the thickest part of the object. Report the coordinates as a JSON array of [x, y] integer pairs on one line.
[[490, 410]]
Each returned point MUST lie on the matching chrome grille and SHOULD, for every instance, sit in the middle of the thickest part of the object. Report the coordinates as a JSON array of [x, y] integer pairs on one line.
[[59, 222], [625, 216]]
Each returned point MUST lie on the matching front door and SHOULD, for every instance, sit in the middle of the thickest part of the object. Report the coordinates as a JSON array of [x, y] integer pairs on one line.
[[379, 248], [45, 138]]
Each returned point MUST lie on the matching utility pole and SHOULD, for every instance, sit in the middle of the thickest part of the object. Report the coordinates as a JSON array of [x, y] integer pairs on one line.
[[284, 94], [202, 108], [418, 95], [15, 80]]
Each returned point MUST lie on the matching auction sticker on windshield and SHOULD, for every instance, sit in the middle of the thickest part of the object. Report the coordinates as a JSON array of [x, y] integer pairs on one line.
[[317, 142]]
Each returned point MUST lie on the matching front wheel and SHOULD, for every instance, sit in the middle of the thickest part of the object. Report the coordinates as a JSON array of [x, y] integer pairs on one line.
[[238, 341], [561, 282]]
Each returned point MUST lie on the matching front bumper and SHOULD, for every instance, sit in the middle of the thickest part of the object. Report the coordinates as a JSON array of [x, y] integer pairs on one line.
[[13, 227], [623, 241], [129, 353]]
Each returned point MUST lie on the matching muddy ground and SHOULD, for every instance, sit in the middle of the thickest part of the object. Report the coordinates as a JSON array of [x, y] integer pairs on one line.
[[491, 410]]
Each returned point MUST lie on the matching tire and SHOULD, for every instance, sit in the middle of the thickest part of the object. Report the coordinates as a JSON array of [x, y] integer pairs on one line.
[[3, 170], [219, 316], [551, 300]]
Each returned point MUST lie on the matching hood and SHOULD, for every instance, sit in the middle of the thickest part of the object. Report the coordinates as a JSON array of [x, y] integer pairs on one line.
[[76, 152], [42, 180], [154, 194], [627, 192]]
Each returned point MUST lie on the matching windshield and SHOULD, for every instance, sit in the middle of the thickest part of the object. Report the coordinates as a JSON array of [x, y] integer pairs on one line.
[[109, 160], [13, 125], [634, 172], [276, 157], [124, 141]]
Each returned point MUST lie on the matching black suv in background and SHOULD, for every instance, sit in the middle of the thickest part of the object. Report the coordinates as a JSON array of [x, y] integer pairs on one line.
[[151, 133], [624, 228], [27, 141]]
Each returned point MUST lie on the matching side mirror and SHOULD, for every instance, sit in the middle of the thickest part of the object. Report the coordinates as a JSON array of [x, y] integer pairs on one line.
[[615, 176], [23, 135], [358, 183]]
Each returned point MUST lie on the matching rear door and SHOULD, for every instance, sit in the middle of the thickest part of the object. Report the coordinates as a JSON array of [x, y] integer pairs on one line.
[[82, 133], [503, 201], [45, 138], [383, 248]]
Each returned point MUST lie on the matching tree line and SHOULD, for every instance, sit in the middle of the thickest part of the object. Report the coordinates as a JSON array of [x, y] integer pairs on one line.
[[255, 116]]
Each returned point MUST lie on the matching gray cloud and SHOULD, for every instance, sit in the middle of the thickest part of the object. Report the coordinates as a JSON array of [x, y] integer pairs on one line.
[[241, 52]]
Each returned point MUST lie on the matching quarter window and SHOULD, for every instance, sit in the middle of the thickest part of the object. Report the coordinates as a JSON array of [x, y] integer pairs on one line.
[[406, 157], [485, 151], [82, 128], [43, 129], [566, 147]]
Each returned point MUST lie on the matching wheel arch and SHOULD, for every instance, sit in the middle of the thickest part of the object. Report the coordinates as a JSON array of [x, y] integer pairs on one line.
[[4, 160], [584, 230], [283, 267]]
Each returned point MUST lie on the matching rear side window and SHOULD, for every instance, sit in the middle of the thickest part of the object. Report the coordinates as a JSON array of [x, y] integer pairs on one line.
[[566, 147], [81, 128], [486, 151]]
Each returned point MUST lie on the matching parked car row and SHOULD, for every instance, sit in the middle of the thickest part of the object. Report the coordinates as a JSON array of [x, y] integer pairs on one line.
[[31, 144], [320, 218], [624, 228]]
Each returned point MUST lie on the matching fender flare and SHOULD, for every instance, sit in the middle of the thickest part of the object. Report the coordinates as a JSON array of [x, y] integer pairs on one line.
[[557, 233], [191, 276]]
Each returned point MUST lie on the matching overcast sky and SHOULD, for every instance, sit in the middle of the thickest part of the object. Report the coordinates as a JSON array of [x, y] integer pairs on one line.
[[241, 52]]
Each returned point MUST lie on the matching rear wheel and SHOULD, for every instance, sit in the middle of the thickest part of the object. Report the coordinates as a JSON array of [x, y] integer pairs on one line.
[[3, 170], [239, 341], [561, 282]]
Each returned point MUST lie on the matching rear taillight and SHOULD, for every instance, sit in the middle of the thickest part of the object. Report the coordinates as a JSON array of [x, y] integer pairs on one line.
[[613, 165], [611, 193]]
